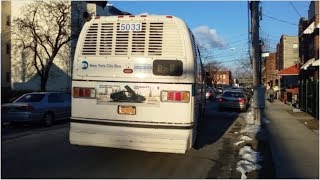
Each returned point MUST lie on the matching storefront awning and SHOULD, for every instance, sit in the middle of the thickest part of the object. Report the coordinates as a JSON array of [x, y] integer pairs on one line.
[[316, 63], [310, 29], [307, 64], [290, 71]]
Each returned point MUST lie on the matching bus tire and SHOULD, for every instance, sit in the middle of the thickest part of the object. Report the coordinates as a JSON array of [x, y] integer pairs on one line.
[[197, 144]]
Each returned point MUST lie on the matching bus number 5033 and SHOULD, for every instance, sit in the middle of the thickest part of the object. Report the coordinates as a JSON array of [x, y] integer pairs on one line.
[[131, 27]]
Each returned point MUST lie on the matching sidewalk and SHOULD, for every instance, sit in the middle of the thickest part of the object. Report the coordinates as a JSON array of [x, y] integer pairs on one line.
[[295, 147]]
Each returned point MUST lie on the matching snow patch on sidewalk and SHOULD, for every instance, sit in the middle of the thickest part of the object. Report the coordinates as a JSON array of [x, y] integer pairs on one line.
[[249, 157], [249, 161]]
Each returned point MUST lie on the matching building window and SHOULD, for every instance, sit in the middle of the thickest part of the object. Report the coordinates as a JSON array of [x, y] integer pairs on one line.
[[8, 21], [295, 46], [8, 48]]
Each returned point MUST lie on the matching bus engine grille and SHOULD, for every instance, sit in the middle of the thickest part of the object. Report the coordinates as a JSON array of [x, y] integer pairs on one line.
[[103, 39]]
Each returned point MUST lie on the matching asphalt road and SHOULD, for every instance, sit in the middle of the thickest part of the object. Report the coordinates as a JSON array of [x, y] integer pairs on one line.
[[37, 152]]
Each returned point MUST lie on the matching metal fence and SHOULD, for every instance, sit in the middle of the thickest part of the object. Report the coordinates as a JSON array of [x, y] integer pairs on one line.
[[309, 96]]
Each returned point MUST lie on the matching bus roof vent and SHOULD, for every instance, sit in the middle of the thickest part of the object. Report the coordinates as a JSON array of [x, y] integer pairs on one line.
[[122, 41], [106, 35], [155, 39], [90, 41]]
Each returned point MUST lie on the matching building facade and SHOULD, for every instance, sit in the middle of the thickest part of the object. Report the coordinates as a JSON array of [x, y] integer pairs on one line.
[[270, 71], [5, 46], [287, 52], [221, 78], [17, 71], [309, 58]]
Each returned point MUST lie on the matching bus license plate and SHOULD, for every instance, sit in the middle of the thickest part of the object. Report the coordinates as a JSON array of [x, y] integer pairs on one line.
[[130, 110]]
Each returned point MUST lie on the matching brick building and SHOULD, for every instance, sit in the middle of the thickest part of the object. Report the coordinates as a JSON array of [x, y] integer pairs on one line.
[[221, 78], [270, 71]]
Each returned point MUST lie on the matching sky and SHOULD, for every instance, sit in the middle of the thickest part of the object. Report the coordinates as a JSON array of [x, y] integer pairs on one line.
[[222, 26]]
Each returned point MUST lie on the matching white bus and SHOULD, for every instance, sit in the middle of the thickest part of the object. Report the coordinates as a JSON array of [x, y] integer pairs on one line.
[[137, 83]]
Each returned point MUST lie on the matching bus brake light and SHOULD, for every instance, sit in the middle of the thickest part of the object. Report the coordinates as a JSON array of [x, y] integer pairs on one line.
[[175, 96], [83, 92]]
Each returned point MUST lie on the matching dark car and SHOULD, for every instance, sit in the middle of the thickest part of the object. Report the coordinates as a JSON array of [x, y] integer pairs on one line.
[[44, 107], [127, 96], [220, 90], [210, 93]]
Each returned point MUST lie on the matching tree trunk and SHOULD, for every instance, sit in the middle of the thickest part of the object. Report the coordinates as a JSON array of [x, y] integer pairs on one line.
[[43, 83]]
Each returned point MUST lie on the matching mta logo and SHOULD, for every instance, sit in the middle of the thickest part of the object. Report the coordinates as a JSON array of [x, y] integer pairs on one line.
[[84, 65]]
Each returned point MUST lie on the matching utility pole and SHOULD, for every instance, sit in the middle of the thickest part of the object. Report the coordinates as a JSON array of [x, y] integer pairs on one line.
[[258, 97]]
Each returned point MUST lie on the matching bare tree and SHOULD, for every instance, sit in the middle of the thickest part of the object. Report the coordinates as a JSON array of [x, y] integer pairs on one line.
[[212, 66], [41, 32], [243, 70]]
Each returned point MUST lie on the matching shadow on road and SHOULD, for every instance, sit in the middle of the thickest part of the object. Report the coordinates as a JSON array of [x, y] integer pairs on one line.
[[214, 124], [26, 128]]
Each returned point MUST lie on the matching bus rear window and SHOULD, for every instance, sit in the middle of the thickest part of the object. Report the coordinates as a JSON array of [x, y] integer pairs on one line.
[[167, 67]]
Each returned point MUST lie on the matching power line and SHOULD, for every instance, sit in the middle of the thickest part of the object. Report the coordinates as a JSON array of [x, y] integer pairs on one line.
[[280, 20], [295, 9], [230, 55]]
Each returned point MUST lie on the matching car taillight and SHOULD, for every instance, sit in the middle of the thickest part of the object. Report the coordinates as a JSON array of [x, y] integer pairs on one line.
[[175, 96], [222, 99], [242, 100], [82, 92]]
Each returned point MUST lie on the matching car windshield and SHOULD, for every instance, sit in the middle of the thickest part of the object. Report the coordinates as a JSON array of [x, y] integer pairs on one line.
[[30, 98], [233, 94]]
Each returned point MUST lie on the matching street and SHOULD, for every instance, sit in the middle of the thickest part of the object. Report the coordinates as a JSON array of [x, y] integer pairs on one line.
[[46, 153]]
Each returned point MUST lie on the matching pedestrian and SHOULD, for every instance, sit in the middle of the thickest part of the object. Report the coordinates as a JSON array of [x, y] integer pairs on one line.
[[271, 94]]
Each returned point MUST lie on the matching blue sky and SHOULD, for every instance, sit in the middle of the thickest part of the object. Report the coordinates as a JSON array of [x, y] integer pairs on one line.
[[225, 23]]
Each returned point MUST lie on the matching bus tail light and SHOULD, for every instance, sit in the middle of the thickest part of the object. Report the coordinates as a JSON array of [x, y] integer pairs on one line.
[[242, 100], [82, 92], [175, 96]]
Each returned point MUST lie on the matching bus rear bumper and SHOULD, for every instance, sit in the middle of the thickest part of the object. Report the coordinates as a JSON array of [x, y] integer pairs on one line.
[[137, 138]]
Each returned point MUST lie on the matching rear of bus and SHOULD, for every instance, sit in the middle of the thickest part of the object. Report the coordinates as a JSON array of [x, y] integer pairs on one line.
[[136, 84]]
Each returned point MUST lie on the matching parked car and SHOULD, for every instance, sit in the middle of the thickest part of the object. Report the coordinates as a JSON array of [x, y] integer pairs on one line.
[[44, 107], [247, 91], [220, 90], [233, 99], [210, 93]]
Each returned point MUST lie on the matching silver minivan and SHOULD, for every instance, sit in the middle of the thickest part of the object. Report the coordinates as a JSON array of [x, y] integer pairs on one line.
[[44, 107]]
